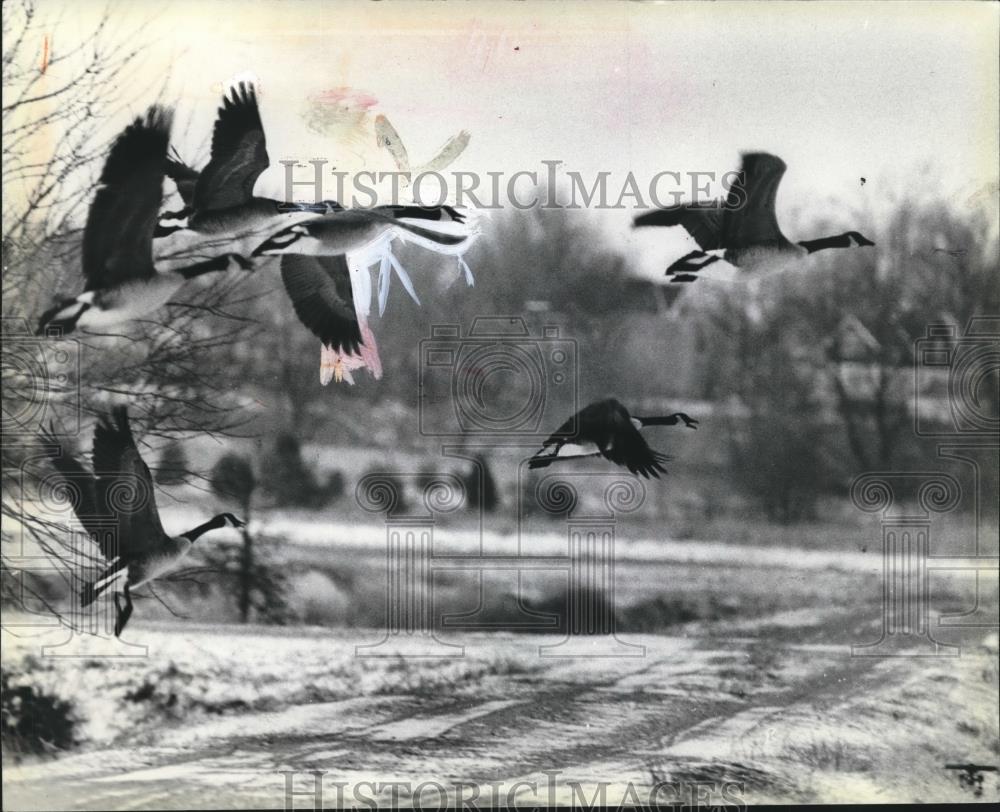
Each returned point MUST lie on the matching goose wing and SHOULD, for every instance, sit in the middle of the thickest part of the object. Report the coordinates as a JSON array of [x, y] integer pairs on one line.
[[118, 238], [703, 221], [755, 221], [627, 446], [321, 293], [76, 481], [565, 432], [587, 424], [570, 430], [183, 176], [125, 488], [239, 152]]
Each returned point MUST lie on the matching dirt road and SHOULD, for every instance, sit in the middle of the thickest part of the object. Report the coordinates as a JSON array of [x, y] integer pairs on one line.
[[773, 709]]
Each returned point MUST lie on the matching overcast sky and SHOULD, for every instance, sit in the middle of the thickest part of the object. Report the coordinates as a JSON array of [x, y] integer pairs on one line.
[[839, 90]]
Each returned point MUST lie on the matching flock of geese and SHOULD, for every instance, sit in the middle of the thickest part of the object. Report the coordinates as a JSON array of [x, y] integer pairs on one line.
[[135, 258]]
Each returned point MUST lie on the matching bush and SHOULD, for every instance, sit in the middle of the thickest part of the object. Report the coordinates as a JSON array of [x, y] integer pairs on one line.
[[529, 497], [33, 721], [173, 467], [260, 585], [291, 483], [481, 490], [248, 574], [317, 600], [233, 478], [650, 616], [172, 691], [334, 487], [780, 464]]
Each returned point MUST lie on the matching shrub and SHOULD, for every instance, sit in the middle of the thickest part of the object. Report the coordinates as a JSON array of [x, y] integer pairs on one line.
[[233, 478], [334, 487], [290, 481], [173, 467], [779, 463], [481, 489], [248, 574], [260, 584], [33, 721]]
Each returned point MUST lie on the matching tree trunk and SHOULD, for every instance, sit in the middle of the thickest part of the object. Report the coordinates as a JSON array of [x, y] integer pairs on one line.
[[246, 569]]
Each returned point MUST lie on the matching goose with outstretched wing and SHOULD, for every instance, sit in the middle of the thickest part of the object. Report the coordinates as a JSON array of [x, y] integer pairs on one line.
[[744, 225], [322, 293], [220, 205], [121, 280], [606, 429], [119, 493]]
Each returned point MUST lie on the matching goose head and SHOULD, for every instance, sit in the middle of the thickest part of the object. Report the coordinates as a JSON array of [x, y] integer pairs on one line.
[[229, 520]]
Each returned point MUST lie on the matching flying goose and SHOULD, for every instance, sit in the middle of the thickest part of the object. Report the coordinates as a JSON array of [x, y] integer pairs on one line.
[[367, 235], [121, 489], [744, 225], [121, 280], [607, 426], [322, 293], [341, 243], [219, 202]]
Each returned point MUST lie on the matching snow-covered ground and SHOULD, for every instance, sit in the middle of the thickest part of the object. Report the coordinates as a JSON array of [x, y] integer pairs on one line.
[[771, 703], [472, 541], [778, 713]]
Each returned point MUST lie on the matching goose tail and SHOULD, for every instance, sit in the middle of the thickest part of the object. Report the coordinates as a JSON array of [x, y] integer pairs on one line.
[[453, 234], [61, 319], [94, 589], [89, 594], [543, 461]]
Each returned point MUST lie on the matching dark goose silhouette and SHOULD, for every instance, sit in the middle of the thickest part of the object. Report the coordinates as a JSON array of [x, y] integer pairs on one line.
[[121, 489], [744, 226], [314, 240], [121, 281], [219, 200], [608, 426]]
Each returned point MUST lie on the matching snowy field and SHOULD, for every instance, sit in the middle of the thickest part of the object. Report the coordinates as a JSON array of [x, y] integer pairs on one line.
[[764, 700]]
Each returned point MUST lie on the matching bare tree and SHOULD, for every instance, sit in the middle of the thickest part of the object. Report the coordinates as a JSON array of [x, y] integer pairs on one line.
[[57, 101], [58, 106], [828, 352], [860, 316]]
